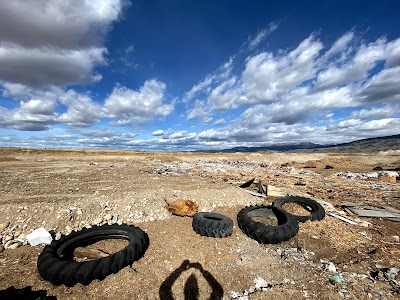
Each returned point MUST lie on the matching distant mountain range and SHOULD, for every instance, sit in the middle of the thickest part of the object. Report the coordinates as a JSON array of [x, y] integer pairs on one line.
[[365, 145]]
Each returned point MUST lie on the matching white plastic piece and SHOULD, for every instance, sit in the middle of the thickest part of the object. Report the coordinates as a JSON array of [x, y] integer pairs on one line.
[[39, 236]]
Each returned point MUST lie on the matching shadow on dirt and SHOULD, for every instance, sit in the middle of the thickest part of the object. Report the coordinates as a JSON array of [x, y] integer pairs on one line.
[[191, 288], [25, 293]]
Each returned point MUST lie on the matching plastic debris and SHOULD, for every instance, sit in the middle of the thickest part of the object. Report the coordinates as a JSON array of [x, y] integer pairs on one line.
[[39, 236], [342, 218], [329, 266], [336, 278], [391, 273]]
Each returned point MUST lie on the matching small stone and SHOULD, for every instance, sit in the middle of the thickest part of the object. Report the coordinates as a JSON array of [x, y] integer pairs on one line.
[[79, 212], [4, 225], [58, 235], [22, 236], [87, 226], [8, 238], [68, 228], [97, 221], [108, 217], [396, 238], [8, 244], [14, 246]]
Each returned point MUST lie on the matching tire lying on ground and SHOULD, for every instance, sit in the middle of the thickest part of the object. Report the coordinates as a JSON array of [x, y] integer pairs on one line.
[[317, 211], [287, 226], [56, 263], [212, 224]]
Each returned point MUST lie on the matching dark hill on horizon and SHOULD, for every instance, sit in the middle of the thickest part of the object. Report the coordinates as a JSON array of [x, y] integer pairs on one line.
[[365, 145]]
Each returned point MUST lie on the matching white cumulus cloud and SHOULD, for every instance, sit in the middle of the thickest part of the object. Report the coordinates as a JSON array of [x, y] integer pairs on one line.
[[51, 42]]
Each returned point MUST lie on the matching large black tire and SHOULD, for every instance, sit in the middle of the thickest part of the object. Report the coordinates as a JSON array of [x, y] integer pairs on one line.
[[263, 233], [212, 224], [56, 263], [317, 211]]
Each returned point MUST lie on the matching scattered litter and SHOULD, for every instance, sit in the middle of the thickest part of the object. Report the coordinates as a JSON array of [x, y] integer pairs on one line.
[[336, 278], [386, 212], [390, 274], [247, 183], [94, 164], [341, 218], [370, 175], [183, 208], [329, 266], [259, 285], [39, 236], [255, 194]]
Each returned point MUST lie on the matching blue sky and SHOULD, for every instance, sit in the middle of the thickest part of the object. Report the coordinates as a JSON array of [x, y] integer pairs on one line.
[[185, 75]]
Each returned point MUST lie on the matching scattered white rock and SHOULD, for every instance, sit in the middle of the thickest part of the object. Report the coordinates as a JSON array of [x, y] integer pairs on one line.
[[108, 217], [14, 245], [98, 220], [8, 244]]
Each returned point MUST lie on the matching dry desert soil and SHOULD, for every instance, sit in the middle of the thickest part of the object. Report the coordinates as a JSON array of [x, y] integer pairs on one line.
[[64, 191]]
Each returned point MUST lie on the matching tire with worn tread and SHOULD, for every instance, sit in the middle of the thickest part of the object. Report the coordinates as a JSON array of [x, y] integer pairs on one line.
[[287, 226], [317, 211], [56, 263], [212, 224]]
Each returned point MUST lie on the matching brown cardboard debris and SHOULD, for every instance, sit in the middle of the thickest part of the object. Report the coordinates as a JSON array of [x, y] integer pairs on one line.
[[183, 208]]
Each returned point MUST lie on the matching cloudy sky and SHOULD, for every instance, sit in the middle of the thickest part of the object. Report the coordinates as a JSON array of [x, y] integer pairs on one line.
[[185, 75]]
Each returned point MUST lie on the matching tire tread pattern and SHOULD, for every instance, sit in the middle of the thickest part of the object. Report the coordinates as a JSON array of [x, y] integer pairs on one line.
[[267, 234], [56, 265], [317, 211], [212, 224]]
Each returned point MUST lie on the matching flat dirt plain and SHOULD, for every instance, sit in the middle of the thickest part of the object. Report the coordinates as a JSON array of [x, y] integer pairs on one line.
[[68, 190]]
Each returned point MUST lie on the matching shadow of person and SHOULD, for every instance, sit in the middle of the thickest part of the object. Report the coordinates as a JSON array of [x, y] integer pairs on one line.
[[191, 288], [25, 293]]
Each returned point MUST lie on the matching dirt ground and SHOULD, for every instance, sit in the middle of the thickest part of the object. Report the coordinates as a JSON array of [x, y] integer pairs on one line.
[[68, 190]]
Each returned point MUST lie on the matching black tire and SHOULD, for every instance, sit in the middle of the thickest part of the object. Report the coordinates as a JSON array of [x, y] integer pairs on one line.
[[56, 263], [263, 233], [212, 224], [317, 211]]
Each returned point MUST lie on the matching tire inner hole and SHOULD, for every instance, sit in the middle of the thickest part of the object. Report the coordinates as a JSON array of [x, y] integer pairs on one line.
[[297, 209], [264, 215], [99, 249]]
